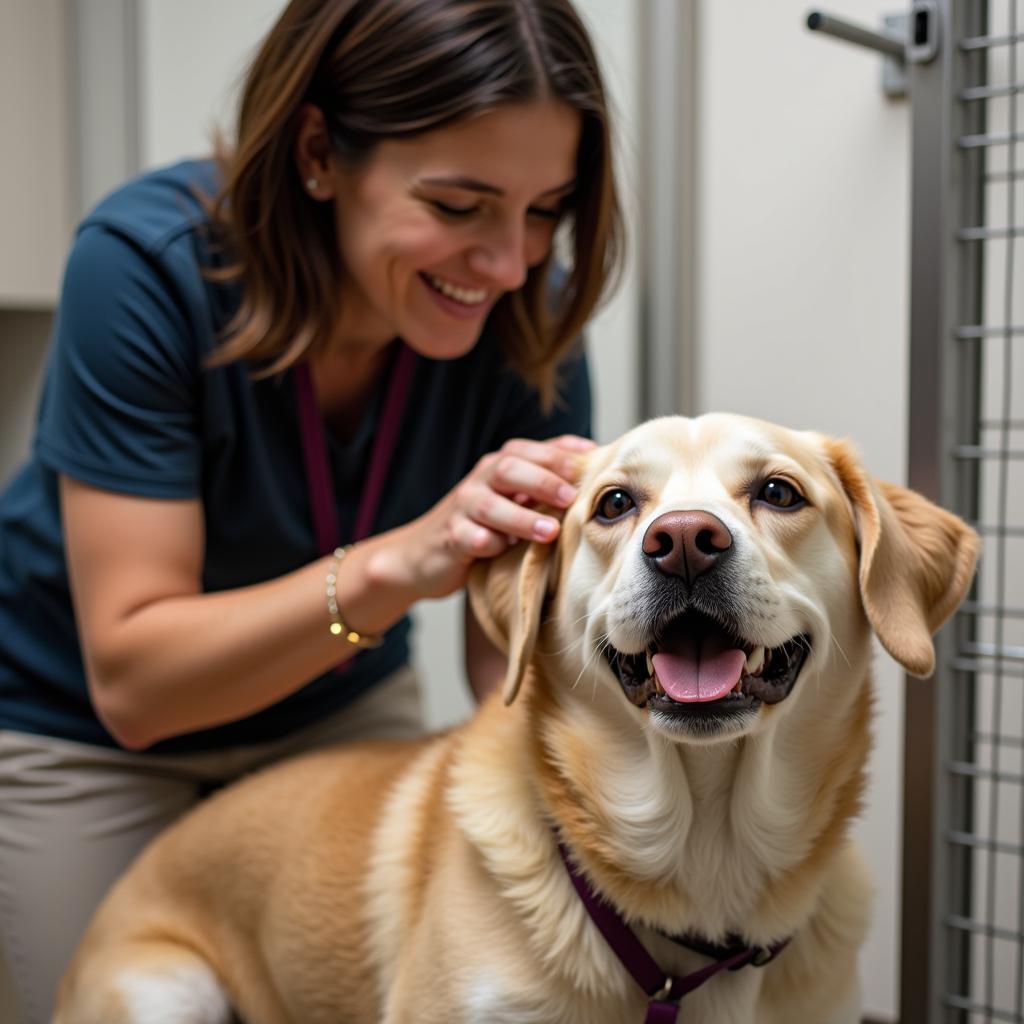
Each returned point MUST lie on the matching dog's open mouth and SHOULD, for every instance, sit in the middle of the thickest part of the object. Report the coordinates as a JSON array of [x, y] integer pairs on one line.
[[695, 665]]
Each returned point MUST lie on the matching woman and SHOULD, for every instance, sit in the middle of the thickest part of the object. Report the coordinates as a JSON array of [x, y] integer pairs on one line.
[[290, 394]]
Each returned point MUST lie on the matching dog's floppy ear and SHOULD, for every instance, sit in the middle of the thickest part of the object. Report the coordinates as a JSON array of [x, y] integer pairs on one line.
[[916, 561], [507, 597]]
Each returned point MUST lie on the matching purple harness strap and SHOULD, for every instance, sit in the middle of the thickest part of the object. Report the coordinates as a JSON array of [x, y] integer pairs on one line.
[[318, 466], [664, 991]]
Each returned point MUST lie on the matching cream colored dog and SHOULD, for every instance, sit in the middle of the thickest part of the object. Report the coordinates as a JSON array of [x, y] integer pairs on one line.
[[694, 657]]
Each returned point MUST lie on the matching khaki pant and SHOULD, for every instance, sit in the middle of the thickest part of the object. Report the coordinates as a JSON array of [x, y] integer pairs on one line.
[[73, 816]]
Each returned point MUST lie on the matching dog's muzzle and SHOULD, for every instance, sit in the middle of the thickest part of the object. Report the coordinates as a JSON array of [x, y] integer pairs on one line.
[[698, 662]]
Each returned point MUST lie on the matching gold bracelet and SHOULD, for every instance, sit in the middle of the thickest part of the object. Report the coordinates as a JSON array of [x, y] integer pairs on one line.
[[338, 625]]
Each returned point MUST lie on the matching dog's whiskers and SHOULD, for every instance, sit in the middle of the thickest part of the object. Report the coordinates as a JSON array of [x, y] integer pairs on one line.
[[578, 642], [602, 643], [583, 618], [581, 639], [832, 638], [583, 670]]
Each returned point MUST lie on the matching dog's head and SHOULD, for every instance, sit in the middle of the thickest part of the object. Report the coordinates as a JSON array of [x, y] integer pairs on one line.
[[711, 568]]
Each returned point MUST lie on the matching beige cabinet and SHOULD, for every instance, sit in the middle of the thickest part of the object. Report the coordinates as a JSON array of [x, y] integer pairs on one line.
[[35, 151]]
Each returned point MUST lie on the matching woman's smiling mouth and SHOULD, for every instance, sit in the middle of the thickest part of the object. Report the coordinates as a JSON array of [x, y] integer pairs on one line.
[[469, 298]]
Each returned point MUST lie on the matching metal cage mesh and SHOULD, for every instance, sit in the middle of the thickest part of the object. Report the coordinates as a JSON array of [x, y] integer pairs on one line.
[[982, 922]]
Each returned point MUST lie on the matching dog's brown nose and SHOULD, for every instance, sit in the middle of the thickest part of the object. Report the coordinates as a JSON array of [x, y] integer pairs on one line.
[[686, 544]]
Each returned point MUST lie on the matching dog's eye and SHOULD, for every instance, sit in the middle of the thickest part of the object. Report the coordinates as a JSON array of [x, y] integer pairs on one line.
[[614, 504], [780, 493]]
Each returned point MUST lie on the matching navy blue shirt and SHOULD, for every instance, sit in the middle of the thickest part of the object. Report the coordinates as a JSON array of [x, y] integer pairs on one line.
[[127, 406]]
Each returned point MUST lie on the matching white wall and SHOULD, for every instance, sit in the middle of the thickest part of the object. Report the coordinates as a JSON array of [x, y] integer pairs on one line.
[[802, 293], [192, 58], [35, 215]]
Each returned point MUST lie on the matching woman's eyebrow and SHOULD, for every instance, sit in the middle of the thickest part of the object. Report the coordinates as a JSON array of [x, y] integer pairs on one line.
[[474, 185]]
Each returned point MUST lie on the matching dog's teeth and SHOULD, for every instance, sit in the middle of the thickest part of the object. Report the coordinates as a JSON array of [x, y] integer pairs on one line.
[[755, 662], [650, 664]]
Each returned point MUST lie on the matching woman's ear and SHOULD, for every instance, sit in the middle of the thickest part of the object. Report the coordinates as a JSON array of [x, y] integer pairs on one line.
[[314, 158]]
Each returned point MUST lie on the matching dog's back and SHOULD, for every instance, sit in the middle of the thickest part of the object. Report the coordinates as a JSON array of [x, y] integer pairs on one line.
[[261, 878]]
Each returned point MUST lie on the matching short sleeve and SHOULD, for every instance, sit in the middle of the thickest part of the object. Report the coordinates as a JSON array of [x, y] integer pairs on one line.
[[119, 410]]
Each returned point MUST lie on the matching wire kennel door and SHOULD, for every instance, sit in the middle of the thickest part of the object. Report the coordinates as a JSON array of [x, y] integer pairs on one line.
[[963, 871]]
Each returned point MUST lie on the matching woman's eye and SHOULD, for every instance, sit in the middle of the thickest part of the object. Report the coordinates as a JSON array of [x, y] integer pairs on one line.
[[537, 211], [614, 504], [780, 493], [456, 212], [453, 211]]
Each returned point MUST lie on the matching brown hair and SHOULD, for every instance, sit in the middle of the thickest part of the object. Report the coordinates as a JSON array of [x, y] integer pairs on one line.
[[390, 68]]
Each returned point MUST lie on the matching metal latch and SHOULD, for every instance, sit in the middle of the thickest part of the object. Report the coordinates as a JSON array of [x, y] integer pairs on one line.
[[905, 39]]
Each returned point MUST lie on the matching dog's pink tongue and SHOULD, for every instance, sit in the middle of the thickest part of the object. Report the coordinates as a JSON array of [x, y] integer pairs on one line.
[[698, 670]]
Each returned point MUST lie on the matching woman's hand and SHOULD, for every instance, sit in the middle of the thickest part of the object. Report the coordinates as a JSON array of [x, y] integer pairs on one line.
[[491, 508]]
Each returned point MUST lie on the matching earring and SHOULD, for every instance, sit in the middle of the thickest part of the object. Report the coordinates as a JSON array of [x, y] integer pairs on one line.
[[312, 184]]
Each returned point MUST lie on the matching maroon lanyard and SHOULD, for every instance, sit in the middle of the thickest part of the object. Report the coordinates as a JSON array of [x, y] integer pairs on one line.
[[318, 467]]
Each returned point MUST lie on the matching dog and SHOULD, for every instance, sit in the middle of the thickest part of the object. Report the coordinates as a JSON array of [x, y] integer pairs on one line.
[[680, 750]]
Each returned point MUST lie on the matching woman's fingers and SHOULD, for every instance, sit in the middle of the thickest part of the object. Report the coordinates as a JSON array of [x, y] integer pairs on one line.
[[512, 475], [573, 443], [499, 514], [541, 471], [474, 540], [498, 504], [500, 496]]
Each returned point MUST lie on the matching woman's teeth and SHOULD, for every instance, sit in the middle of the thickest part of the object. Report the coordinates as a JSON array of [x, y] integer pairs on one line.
[[467, 296]]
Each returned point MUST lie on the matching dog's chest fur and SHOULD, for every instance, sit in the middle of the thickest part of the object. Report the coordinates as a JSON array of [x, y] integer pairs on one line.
[[694, 843]]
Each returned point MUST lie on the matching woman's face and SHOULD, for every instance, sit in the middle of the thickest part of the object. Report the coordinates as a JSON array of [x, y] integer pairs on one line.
[[433, 230]]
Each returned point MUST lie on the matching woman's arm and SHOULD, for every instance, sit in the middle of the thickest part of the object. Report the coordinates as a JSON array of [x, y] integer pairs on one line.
[[164, 658]]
